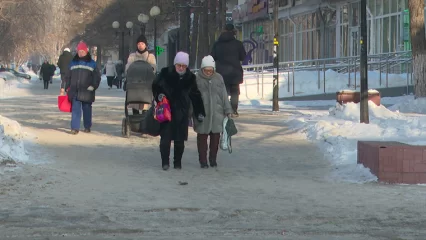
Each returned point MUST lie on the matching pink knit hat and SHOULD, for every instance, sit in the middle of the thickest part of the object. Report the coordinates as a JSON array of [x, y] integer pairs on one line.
[[181, 58]]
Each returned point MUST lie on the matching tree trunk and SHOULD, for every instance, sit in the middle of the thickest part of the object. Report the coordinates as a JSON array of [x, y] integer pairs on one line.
[[194, 40], [184, 18], [203, 39], [221, 15], [418, 46], [212, 23], [99, 55]]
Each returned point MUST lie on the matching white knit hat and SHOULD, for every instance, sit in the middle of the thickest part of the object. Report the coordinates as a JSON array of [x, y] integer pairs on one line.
[[208, 61], [67, 50]]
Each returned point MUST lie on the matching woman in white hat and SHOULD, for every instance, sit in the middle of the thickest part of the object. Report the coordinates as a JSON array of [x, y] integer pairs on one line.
[[217, 107]]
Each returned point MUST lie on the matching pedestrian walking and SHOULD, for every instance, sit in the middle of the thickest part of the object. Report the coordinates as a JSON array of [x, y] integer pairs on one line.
[[178, 84], [228, 52], [81, 83], [64, 66], [217, 107]]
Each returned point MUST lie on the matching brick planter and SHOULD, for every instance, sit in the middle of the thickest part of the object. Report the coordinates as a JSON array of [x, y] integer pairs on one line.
[[394, 162], [346, 96]]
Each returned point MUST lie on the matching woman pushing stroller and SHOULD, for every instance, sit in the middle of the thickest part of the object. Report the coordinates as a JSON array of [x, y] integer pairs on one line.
[[141, 54]]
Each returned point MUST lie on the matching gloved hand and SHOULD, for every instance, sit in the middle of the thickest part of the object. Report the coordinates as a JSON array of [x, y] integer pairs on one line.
[[90, 88], [200, 117], [160, 96]]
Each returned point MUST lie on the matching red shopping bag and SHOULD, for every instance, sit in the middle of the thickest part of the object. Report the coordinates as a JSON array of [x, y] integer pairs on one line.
[[163, 112], [64, 104]]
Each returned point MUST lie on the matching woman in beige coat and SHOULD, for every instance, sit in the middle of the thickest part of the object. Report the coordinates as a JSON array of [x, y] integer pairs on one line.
[[141, 54], [217, 107]]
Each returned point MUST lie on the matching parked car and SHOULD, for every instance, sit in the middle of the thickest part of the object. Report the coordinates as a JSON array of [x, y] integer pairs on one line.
[[16, 73]]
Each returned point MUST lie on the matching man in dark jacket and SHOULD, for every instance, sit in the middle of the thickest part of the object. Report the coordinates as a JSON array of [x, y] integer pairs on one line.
[[52, 72], [119, 68], [64, 65], [81, 82], [228, 52], [46, 73]]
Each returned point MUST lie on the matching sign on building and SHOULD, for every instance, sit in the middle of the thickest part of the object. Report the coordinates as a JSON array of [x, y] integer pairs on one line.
[[229, 19]]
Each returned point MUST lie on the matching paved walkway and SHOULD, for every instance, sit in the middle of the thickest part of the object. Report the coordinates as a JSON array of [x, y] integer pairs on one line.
[[103, 186]]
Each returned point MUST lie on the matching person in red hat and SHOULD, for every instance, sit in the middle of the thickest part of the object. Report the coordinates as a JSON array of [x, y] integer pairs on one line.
[[81, 83]]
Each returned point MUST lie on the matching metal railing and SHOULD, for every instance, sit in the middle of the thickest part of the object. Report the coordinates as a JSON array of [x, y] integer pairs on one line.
[[346, 68]]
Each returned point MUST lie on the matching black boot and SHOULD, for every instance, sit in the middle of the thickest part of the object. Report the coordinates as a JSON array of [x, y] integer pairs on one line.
[[178, 153], [213, 163], [165, 154]]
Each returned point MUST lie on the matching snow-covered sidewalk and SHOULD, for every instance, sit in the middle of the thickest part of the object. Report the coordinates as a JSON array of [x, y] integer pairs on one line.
[[274, 185], [336, 128]]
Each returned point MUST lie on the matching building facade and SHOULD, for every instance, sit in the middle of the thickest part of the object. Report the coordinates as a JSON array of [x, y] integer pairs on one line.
[[315, 29]]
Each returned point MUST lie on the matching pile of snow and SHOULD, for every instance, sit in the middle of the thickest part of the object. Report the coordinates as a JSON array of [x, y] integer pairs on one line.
[[337, 131], [29, 71], [259, 84], [11, 141], [12, 86], [411, 105]]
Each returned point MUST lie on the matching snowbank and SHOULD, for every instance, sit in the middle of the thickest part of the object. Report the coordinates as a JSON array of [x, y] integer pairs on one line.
[[11, 141], [12, 86], [258, 84], [337, 131], [410, 105]]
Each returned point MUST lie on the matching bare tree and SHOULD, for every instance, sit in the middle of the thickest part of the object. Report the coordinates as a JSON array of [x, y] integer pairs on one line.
[[418, 45], [194, 39], [47, 26]]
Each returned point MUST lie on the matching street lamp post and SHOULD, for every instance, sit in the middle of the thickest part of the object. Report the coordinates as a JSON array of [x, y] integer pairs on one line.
[[143, 18], [116, 26], [154, 12]]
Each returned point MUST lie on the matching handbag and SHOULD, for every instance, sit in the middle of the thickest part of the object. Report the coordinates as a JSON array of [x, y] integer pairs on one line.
[[229, 130], [64, 104], [163, 112], [149, 125]]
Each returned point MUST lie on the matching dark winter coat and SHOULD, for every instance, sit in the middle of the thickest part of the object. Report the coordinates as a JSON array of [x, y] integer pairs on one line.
[[46, 71], [64, 62], [119, 68], [53, 69], [83, 73], [228, 52], [181, 91]]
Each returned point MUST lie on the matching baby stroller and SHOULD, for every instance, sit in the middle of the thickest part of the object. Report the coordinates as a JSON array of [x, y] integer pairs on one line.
[[138, 83]]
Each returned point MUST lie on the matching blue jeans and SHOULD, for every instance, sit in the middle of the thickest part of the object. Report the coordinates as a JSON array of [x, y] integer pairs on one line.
[[77, 108]]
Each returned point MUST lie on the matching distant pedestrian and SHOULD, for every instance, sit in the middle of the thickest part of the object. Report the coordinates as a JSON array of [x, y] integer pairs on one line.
[[228, 52], [64, 66], [110, 72], [46, 73]]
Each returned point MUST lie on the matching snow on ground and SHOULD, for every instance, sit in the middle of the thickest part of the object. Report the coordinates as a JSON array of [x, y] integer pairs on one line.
[[306, 83], [11, 142], [336, 130], [12, 86]]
